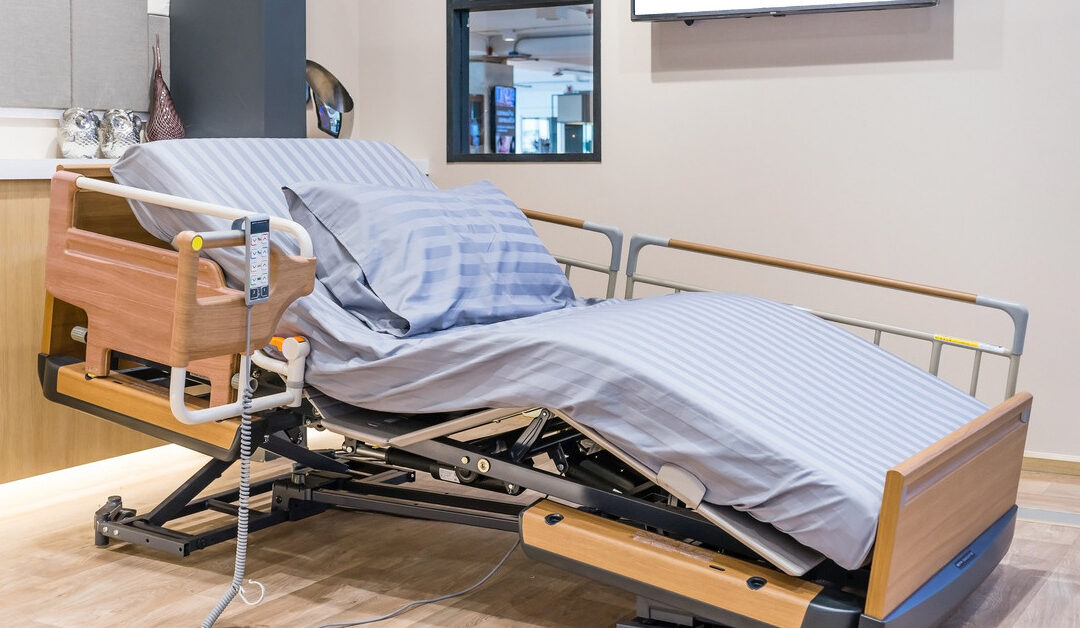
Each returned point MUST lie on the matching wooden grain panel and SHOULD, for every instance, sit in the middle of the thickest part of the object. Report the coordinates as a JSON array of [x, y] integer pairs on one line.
[[141, 400], [669, 564], [209, 324], [103, 213], [37, 436], [58, 321], [939, 500], [127, 289], [110, 215]]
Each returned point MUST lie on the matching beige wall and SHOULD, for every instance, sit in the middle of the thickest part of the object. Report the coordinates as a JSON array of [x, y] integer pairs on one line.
[[936, 145]]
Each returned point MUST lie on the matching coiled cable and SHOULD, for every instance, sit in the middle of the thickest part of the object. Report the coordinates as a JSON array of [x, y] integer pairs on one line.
[[240, 563]]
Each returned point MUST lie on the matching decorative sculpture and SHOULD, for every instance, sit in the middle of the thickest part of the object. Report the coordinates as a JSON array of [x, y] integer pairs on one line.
[[78, 134], [119, 129], [329, 106], [164, 122]]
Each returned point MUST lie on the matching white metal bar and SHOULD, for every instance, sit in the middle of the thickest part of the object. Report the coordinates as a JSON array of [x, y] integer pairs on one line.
[[577, 263], [935, 356], [177, 381], [198, 207], [909, 333], [1014, 369], [976, 363], [673, 285], [295, 353], [454, 426]]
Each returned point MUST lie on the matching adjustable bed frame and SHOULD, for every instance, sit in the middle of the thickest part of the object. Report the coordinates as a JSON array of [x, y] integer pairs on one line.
[[125, 314]]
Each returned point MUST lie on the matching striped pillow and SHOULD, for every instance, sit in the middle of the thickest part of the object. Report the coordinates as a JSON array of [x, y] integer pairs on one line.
[[436, 258]]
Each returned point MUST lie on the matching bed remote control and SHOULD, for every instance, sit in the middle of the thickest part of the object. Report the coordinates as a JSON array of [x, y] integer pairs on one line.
[[257, 241]]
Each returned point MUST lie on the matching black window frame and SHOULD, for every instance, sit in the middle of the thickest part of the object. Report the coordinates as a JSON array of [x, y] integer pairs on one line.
[[457, 82]]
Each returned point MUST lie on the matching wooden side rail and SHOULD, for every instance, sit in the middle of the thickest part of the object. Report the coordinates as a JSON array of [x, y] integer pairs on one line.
[[939, 500], [836, 273], [155, 303], [640, 241], [207, 325]]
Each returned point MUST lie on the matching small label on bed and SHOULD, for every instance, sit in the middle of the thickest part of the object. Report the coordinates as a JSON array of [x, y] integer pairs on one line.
[[956, 341], [964, 559], [448, 475]]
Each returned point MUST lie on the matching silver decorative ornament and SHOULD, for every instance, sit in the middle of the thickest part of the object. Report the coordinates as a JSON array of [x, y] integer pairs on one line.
[[78, 134], [119, 129]]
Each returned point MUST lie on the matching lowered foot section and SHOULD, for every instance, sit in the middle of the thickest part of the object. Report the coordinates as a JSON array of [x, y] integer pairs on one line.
[[713, 587]]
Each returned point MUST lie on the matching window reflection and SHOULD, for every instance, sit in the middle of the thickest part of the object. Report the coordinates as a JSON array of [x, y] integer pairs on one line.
[[530, 81]]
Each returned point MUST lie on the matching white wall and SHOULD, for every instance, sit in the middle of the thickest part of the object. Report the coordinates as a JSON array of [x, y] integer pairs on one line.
[[936, 145], [333, 43]]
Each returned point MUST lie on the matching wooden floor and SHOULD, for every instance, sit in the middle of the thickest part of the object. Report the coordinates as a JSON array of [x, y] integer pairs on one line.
[[343, 566]]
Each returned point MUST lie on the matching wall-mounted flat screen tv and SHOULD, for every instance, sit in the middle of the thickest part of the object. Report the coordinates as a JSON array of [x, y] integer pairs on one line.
[[662, 10]]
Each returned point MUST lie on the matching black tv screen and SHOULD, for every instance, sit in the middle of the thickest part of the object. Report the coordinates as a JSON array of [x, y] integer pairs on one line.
[[662, 10]]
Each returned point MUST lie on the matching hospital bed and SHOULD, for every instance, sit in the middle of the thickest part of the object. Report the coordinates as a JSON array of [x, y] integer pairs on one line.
[[145, 330]]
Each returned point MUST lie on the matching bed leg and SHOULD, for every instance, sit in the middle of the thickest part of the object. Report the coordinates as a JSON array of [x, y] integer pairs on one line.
[[97, 359]]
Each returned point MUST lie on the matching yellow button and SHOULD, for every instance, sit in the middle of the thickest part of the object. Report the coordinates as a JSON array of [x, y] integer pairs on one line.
[[196, 243]]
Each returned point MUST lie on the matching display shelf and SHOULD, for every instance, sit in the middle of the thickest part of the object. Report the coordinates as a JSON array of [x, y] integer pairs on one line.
[[11, 169]]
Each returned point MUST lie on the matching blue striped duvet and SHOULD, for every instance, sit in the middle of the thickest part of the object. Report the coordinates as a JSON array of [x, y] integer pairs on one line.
[[779, 413]]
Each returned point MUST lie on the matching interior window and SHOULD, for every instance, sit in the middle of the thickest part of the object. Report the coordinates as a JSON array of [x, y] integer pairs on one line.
[[523, 81]]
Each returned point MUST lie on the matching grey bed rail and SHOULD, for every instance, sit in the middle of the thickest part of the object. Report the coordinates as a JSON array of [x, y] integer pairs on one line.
[[1017, 313], [613, 234]]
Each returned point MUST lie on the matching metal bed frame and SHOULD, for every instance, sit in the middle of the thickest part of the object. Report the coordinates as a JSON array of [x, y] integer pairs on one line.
[[1017, 313], [504, 451]]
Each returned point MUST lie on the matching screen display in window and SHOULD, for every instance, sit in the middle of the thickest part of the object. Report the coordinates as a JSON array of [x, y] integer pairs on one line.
[[505, 119], [523, 81]]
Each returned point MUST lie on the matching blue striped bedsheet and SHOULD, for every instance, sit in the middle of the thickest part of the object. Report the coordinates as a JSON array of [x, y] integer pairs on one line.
[[779, 413]]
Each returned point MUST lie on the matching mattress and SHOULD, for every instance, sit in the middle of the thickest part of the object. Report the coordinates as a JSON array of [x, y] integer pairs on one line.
[[779, 413]]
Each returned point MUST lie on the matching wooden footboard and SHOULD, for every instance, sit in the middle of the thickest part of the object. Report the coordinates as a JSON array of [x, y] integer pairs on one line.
[[939, 500]]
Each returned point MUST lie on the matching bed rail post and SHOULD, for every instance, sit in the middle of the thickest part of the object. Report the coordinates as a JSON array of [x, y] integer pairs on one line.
[[613, 234], [637, 242]]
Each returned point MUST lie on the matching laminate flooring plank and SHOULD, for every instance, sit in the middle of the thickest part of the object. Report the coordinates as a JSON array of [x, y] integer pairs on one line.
[[1047, 491], [341, 565]]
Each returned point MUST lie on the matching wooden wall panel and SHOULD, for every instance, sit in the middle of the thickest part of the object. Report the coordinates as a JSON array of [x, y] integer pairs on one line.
[[37, 436]]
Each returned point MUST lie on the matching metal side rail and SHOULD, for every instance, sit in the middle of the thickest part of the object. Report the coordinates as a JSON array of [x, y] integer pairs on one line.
[[615, 241], [1018, 314]]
